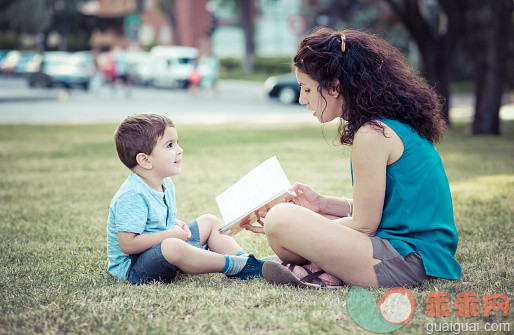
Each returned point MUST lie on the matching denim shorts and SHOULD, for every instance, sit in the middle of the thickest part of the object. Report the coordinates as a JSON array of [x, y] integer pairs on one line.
[[151, 265], [394, 270]]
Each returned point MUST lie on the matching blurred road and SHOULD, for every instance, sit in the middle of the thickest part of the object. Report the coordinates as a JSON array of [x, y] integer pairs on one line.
[[235, 102]]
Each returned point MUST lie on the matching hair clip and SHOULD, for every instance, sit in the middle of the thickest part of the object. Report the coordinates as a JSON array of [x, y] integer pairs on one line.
[[343, 43]]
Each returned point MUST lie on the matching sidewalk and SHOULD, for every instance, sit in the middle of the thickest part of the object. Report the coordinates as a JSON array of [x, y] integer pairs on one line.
[[462, 107], [256, 108], [19, 95]]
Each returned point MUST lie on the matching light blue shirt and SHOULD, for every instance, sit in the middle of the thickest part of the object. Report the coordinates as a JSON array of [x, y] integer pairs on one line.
[[137, 208], [121, 63]]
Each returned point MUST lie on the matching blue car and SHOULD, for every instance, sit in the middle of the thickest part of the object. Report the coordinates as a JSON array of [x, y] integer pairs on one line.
[[285, 88], [25, 58], [63, 69]]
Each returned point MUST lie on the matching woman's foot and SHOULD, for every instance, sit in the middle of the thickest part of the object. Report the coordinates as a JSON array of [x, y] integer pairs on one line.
[[309, 275]]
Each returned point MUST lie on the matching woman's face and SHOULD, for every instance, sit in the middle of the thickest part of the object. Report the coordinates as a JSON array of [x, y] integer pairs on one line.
[[327, 107]]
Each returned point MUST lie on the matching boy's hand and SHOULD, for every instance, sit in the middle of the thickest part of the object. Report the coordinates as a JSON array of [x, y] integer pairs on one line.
[[184, 226]]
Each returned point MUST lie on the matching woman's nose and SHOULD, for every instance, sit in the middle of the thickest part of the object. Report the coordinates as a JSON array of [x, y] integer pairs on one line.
[[302, 100]]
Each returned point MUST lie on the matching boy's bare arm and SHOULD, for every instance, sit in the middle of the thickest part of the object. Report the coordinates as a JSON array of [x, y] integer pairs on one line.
[[131, 243]]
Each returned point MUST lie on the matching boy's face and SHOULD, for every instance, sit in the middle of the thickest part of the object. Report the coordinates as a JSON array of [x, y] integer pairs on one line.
[[166, 157]]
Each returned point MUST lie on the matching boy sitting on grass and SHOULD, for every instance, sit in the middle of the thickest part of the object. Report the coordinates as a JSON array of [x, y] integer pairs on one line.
[[145, 241]]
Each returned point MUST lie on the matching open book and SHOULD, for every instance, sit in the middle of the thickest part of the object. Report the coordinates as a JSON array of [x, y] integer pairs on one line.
[[262, 188]]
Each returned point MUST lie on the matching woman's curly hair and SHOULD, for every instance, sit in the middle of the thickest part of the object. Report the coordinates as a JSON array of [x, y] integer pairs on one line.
[[374, 80]]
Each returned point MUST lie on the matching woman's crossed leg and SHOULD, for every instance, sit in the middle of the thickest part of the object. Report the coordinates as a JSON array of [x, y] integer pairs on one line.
[[297, 234]]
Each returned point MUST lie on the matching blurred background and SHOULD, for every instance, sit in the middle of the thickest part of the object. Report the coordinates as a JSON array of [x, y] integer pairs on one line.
[[210, 58]]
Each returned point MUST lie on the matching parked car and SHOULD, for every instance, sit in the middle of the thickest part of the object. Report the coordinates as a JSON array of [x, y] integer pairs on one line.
[[34, 64], [140, 68], [284, 87], [15, 61], [3, 53], [60, 68], [172, 65], [9, 62], [25, 58]]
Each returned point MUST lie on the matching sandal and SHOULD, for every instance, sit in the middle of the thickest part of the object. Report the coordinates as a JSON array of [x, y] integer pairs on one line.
[[271, 258], [309, 275]]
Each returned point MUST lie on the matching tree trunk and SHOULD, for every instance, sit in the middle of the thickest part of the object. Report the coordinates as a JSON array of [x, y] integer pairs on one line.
[[437, 71], [63, 42], [247, 25], [174, 26], [490, 68], [438, 48]]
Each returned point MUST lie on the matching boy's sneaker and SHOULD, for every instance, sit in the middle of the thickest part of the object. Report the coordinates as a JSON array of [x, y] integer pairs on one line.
[[253, 268]]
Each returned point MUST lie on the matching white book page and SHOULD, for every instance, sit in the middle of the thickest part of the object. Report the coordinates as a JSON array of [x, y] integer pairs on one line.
[[253, 190]]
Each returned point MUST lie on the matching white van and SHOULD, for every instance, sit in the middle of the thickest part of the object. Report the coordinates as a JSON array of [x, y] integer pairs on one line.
[[172, 65]]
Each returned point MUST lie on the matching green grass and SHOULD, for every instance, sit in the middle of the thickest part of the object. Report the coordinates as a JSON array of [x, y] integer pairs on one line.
[[56, 183]]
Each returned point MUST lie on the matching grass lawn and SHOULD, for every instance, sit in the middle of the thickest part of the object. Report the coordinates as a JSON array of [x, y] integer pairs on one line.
[[56, 183]]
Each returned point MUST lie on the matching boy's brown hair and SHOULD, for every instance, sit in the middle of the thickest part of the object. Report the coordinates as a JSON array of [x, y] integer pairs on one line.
[[139, 133]]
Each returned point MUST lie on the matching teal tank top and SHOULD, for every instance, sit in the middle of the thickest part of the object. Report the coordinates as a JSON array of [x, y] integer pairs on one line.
[[418, 212]]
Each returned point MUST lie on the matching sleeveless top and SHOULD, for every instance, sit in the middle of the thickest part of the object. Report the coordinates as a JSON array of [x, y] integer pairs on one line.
[[418, 212]]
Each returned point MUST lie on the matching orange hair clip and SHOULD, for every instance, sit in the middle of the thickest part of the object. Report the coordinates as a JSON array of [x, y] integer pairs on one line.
[[343, 43]]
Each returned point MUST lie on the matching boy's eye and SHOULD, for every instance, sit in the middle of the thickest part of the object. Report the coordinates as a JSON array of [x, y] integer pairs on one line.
[[170, 145]]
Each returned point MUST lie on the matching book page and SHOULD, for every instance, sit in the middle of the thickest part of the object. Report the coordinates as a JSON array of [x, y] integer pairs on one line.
[[235, 227], [253, 190]]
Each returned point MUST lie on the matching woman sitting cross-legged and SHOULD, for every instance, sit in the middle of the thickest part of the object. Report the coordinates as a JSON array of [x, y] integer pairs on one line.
[[398, 230]]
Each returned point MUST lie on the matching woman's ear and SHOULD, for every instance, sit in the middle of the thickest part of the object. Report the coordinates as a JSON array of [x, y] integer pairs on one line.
[[143, 161], [334, 91]]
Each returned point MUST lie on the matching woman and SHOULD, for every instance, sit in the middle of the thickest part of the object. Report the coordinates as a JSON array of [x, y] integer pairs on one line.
[[398, 230]]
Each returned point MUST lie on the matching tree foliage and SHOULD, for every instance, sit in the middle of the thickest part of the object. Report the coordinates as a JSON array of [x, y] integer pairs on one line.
[[26, 16], [483, 28], [168, 7], [41, 16], [436, 27]]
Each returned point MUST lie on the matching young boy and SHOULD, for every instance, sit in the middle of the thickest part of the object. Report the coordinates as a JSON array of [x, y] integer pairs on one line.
[[145, 241]]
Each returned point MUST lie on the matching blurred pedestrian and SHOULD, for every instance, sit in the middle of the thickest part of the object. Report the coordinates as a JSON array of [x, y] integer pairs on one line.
[[122, 71], [209, 70], [98, 78], [195, 80]]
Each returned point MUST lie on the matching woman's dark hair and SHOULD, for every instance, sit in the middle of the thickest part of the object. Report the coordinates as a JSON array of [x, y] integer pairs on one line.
[[374, 80]]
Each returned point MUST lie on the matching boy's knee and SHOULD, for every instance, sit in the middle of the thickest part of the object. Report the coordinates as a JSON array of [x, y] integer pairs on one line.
[[279, 217], [173, 248], [209, 220]]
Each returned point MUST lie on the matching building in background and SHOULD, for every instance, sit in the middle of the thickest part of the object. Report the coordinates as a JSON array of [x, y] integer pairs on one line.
[[105, 18], [278, 26], [142, 24], [215, 25]]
